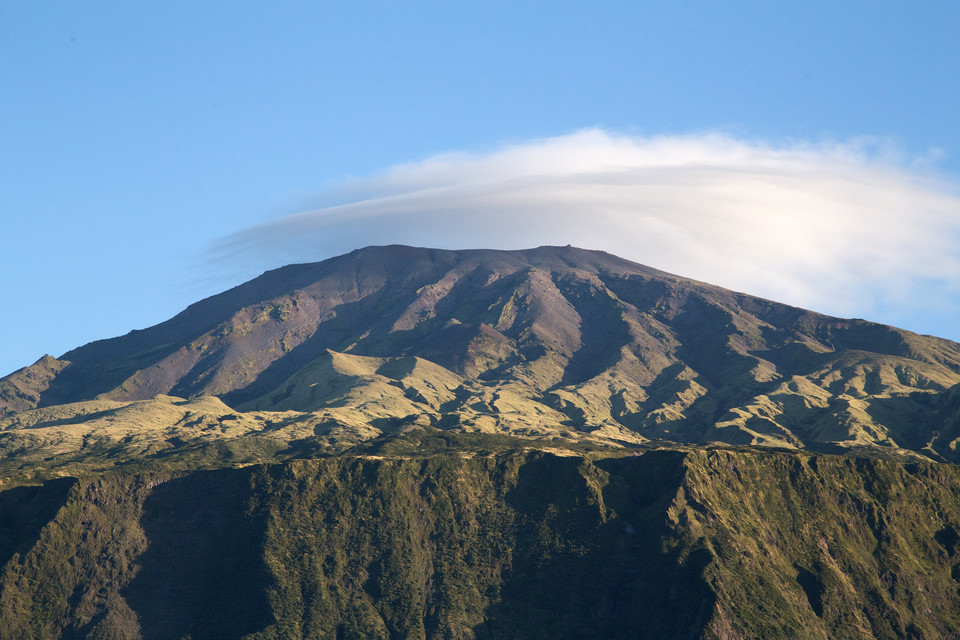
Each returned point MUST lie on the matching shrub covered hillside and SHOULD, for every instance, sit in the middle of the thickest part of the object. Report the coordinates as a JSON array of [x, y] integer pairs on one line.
[[515, 544]]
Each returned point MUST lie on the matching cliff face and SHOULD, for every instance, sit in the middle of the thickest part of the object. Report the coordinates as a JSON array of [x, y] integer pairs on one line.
[[515, 544]]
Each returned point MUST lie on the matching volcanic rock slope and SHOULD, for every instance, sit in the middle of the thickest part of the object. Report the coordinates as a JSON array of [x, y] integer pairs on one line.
[[547, 342]]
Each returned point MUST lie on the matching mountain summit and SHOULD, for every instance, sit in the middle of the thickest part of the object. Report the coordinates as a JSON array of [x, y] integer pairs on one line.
[[552, 341]]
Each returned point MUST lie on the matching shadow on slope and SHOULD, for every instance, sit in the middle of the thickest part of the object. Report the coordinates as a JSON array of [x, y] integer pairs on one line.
[[24, 511], [202, 572], [603, 330], [589, 555]]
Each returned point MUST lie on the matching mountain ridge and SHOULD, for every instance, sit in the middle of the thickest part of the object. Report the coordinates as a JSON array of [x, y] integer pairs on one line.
[[552, 341]]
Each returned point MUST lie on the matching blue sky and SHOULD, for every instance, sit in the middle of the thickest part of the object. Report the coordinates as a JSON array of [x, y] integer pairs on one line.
[[142, 141]]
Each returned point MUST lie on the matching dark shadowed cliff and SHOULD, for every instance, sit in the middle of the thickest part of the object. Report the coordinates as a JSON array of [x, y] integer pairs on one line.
[[716, 544]]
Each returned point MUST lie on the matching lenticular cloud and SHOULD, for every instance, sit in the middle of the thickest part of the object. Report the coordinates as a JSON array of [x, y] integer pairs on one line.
[[837, 227]]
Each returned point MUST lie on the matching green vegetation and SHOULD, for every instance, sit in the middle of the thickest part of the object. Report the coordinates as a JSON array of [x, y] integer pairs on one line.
[[486, 541]]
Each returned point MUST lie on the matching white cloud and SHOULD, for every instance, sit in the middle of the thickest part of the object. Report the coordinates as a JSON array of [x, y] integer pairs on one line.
[[849, 229]]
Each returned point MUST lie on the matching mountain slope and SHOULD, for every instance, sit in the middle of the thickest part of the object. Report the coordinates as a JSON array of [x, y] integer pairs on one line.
[[332, 450], [474, 544], [548, 341]]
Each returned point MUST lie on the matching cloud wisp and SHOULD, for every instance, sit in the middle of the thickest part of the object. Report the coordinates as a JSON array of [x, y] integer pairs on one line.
[[840, 228]]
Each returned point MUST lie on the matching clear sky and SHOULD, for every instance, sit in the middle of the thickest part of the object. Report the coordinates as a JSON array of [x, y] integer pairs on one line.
[[140, 142]]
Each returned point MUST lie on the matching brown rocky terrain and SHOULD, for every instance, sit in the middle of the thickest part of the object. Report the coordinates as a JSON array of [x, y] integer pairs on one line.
[[548, 342]]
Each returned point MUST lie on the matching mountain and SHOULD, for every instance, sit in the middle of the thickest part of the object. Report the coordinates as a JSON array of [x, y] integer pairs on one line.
[[467, 445], [548, 342]]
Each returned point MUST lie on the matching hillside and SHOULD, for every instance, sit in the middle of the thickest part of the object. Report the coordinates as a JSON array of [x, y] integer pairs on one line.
[[549, 342], [491, 543]]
